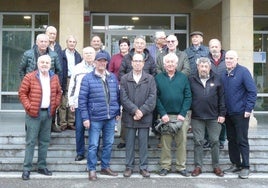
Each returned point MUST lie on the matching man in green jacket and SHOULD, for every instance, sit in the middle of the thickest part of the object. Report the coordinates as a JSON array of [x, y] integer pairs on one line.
[[173, 101]]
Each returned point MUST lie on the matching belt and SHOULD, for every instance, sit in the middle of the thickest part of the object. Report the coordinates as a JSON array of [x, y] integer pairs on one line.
[[43, 109]]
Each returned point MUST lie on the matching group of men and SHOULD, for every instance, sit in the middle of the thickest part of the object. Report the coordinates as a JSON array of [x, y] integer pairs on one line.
[[196, 86]]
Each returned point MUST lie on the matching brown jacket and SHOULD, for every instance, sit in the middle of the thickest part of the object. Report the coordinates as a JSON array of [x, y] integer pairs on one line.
[[30, 93]]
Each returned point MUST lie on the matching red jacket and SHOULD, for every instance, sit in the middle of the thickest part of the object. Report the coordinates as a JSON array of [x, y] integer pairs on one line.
[[30, 93]]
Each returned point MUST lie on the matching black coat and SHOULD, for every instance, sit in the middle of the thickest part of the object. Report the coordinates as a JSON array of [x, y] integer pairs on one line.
[[207, 102], [140, 96]]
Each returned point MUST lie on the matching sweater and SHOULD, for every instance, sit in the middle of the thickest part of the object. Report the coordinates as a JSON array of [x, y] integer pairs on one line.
[[173, 95]]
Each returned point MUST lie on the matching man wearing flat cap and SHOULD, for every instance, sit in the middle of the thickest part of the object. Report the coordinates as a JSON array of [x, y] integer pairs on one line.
[[98, 102], [196, 50]]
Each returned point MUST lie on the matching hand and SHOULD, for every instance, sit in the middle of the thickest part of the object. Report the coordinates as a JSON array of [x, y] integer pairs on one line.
[[86, 124], [165, 118], [138, 114], [180, 118], [72, 108], [221, 119], [247, 114]]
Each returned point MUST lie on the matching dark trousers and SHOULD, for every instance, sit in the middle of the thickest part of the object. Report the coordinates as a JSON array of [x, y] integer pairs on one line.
[[237, 136]]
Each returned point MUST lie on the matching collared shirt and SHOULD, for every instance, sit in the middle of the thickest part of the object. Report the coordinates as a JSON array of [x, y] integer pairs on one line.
[[70, 61], [45, 84], [137, 77]]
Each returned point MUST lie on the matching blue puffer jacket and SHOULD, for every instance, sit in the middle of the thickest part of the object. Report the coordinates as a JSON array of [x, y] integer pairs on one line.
[[92, 101]]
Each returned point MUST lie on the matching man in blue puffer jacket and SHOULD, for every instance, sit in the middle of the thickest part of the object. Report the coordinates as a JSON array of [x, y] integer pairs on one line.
[[99, 105]]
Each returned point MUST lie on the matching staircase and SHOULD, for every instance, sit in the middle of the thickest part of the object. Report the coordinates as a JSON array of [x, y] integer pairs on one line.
[[61, 153]]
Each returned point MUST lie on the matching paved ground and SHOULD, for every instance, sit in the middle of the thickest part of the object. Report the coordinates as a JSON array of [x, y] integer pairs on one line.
[[79, 180], [64, 180]]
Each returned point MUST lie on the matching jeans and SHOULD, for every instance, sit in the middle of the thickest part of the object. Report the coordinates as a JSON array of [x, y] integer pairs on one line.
[[37, 130], [222, 136], [79, 133], [213, 128], [107, 129], [237, 136], [143, 147]]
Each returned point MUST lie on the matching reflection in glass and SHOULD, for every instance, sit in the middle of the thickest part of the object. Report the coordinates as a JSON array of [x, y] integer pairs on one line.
[[16, 21], [14, 45], [143, 22]]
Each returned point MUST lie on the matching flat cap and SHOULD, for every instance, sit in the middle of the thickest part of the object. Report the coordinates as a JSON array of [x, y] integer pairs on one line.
[[196, 33]]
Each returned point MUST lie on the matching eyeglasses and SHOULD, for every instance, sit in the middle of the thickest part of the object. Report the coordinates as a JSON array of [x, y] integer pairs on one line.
[[137, 61], [171, 41]]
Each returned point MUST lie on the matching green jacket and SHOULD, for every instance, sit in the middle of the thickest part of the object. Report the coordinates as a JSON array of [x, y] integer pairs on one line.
[[173, 95], [28, 62]]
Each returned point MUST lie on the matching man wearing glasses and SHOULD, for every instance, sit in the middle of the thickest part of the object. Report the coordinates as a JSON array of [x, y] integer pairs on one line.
[[183, 63]]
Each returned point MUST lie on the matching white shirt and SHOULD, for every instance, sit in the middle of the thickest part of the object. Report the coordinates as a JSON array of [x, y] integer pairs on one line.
[[45, 83], [70, 61]]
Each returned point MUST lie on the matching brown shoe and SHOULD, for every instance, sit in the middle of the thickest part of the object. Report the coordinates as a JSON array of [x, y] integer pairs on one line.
[[92, 176], [71, 127], [197, 171], [108, 172], [127, 173], [145, 173], [218, 172]]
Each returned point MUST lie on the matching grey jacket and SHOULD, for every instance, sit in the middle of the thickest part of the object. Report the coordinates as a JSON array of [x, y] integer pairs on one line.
[[183, 64], [140, 96]]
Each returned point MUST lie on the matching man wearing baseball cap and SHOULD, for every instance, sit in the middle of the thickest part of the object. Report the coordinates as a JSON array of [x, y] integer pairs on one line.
[[100, 107]]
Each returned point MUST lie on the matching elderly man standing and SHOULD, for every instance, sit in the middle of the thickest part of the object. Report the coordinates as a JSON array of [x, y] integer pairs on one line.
[[40, 95], [240, 98], [100, 107], [138, 98], [29, 61], [139, 47], [183, 64], [196, 50], [208, 111], [78, 72], [159, 45], [71, 57], [217, 59], [173, 102]]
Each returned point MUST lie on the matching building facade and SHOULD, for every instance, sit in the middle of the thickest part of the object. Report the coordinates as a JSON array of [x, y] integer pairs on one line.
[[241, 25]]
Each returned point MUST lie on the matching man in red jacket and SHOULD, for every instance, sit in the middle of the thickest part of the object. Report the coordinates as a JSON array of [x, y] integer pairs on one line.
[[40, 95]]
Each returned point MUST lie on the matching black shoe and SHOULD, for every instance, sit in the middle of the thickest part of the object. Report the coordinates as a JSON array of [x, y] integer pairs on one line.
[[206, 145], [163, 172], [79, 158], [44, 171], [121, 145], [26, 175], [184, 173]]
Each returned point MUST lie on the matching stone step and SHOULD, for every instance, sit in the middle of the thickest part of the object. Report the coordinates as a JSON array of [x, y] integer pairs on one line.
[[69, 165], [68, 138]]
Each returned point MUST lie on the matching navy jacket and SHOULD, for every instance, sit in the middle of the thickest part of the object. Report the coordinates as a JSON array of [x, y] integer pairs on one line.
[[93, 103], [240, 91]]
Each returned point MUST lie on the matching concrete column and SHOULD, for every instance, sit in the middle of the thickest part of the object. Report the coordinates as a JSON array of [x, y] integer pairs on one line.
[[237, 33], [72, 22], [237, 29]]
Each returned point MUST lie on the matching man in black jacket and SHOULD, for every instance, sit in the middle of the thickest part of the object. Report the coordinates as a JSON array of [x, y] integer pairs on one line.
[[208, 111]]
